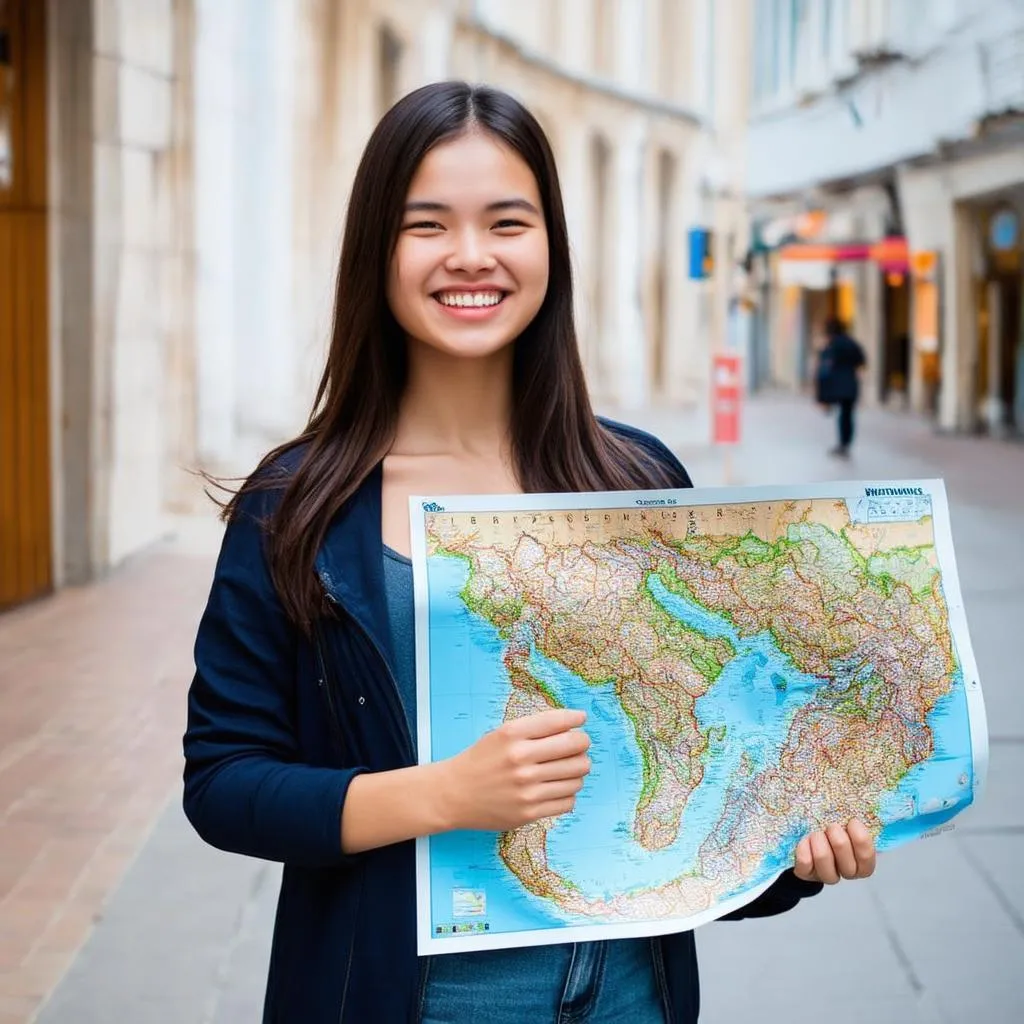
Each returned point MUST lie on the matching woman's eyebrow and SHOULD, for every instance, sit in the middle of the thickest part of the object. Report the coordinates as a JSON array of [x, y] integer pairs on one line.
[[431, 206]]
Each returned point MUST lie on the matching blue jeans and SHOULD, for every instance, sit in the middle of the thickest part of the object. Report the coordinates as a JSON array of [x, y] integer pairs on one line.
[[586, 983]]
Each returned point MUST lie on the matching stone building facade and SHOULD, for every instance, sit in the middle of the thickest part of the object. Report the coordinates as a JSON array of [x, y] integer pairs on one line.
[[886, 184], [192, 190]]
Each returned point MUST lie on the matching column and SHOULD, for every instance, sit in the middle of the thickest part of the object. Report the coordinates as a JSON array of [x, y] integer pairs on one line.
[[627, 338], [994, 412], [678, 338], [214, 119], [264, 338], [693, 316], [959, 328], [574, 174]]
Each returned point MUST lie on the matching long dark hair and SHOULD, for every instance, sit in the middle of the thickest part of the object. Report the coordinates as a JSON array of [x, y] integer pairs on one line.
[[557, 443]]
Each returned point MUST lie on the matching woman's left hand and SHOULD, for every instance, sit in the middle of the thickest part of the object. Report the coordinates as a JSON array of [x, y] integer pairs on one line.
[[836, 853]]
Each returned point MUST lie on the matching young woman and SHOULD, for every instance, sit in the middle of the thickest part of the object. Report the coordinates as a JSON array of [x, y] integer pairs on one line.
[[453, 368]]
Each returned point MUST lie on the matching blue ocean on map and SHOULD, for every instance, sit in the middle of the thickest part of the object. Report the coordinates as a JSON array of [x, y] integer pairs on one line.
[[758, 693]]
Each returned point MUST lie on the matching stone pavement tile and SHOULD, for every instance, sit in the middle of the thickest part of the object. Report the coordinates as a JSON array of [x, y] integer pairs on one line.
[[953, 933], [825, 960], [16, 1009], [92, 685], [998, 859], [185, 939], [993, 619], [989, 552]]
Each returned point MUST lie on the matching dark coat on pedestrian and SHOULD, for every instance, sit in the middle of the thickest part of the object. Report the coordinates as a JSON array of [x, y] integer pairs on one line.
[[838, 364], [279, 724]]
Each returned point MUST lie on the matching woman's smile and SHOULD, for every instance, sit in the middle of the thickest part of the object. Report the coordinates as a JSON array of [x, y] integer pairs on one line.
[[471, 303]]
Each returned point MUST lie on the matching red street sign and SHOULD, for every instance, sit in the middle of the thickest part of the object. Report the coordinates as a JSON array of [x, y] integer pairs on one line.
[[725, 399]]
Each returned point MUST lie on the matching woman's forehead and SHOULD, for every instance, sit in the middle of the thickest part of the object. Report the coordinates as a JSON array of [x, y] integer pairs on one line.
[[475, 169]]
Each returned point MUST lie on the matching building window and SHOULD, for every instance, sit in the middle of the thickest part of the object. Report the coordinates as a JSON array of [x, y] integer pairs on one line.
[[765, 47], [389, 60], [604, 62], [799, 11], [668, 48], [553, 42], [600, 299], [775, 64], [662, 284], [711, 61]]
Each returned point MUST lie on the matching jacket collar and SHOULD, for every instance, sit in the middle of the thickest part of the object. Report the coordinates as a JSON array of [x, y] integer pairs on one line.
[[350, 562]]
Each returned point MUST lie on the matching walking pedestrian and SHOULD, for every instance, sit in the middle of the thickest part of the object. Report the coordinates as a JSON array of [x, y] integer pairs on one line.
[[838, 367], [453, 368]]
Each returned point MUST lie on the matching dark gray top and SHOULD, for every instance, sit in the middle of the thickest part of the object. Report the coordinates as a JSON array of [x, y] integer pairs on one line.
[[398, 592]]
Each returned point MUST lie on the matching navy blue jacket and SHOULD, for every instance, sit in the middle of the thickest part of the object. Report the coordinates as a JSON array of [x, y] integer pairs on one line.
[[279, 725]]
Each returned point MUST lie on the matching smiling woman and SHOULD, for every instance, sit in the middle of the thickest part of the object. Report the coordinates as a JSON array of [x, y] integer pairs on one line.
[[453, 368]]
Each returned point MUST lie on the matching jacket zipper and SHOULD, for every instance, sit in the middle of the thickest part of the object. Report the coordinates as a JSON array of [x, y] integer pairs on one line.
[[392, 689], [327, 686]]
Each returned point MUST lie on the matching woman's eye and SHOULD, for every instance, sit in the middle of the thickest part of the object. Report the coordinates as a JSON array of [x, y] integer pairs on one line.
[[424, 225], [505, 225]]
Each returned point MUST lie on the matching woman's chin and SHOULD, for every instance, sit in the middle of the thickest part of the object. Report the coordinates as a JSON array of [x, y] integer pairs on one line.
[[470, 345]]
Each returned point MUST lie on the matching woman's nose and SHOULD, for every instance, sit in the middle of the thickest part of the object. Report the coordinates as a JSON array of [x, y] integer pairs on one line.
[[470, 254]]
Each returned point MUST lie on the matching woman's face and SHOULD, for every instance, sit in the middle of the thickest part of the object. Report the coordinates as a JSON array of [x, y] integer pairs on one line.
[[470, 270]]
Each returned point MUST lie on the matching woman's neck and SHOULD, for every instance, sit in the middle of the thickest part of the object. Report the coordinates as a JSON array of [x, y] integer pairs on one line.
[[456, 406]]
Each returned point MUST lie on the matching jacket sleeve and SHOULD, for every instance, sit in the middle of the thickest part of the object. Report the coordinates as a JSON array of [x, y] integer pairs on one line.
[[246, 790], [782, 895]]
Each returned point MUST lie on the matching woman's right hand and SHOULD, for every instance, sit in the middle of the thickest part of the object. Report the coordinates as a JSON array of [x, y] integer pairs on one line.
[[527, 769]]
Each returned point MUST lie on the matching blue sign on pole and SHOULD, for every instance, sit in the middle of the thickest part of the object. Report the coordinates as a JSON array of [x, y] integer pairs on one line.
[[702, 262]]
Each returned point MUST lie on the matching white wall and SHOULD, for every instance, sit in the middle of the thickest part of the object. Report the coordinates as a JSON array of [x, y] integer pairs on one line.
[[133, 82], [247, 86], [215, 117], [848, 123]]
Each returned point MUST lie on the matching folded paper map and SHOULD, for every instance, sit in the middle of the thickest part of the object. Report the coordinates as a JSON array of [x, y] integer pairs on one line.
[[755, 664]]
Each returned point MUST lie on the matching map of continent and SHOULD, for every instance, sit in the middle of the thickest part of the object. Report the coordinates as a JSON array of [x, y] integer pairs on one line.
[[752, 671]]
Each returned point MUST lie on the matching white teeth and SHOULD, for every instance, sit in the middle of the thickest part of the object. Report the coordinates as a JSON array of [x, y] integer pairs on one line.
[[469, 299]]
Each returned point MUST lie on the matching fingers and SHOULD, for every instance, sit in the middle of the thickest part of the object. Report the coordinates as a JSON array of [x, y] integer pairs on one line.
[[824, 860], [545, 723], [842, 851], [836, 853], [863, 848], [553, 808], [804, 866], [567, 768], [554, 748], [561, 789]]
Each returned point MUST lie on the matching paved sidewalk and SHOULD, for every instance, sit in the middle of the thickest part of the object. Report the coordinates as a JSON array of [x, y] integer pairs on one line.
[[182, 938], [91, 715]]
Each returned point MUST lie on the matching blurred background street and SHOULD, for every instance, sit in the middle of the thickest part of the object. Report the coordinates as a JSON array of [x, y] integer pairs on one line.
[[173, 180]]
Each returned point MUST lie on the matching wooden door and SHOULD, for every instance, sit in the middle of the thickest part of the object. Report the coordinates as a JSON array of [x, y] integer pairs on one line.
[[25, 531]]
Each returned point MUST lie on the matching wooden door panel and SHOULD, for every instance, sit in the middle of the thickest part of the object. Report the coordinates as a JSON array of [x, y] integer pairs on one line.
[[25, 514], [9, 586]]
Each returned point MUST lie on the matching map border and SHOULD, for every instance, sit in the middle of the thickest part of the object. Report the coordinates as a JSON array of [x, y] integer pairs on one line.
[[420, 506]]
